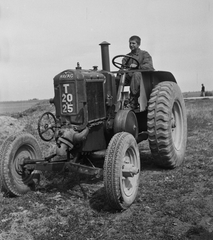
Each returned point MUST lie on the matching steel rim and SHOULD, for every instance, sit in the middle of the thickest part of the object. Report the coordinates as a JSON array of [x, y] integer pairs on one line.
[[129, 184], [177, 125], [20, 175]]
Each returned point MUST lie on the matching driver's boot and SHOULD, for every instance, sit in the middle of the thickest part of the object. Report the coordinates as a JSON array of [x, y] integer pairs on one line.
[[134, 101], [135, 90]]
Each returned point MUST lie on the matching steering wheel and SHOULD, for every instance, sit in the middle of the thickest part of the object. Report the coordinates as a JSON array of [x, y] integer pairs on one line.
[[47, 126], [121, 65]]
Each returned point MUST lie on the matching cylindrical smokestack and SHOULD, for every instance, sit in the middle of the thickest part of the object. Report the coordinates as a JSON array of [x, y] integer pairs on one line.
[[105, 55]]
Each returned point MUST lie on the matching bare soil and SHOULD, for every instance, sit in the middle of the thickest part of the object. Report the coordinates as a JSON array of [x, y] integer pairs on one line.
[[171, 204]]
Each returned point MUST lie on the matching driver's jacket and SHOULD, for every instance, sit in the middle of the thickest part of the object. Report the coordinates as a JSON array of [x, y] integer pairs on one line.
[[143, 57]]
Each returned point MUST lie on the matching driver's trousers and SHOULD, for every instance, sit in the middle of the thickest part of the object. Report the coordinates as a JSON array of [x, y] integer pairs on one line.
[[135, 80]]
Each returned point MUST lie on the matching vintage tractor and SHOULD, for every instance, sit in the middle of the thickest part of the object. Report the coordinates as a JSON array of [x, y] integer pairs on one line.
[[92, 121]]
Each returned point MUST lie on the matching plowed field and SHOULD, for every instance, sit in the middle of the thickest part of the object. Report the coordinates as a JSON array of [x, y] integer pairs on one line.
[[171, 204]]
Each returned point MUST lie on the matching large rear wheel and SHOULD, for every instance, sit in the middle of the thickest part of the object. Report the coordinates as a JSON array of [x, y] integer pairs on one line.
[[121, 171], [167, 125], [16, 180]]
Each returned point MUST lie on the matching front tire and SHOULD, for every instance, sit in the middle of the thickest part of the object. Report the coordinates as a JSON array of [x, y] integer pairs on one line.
[[15, 179], [167, 125], [121, 171]]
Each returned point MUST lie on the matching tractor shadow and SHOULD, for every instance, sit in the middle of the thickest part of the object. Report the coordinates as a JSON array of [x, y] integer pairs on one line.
[[198, 233], [98, 200], [69, 183], [99, 203], [77, 186], [66, 181], [88, 188], [147, 162]]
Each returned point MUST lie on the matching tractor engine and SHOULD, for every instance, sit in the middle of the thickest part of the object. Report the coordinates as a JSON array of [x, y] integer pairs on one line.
[[80, 105]]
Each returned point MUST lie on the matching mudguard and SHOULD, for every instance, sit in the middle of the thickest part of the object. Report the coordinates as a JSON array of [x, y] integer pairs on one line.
[[150, 80]]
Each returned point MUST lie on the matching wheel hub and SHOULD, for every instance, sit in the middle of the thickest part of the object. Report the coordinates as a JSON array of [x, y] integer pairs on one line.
[[129, 170], [129, 175], [173, 122], [177, 125], [19, 162]]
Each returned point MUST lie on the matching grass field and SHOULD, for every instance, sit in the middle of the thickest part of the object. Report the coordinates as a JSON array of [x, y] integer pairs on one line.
[[20, 106], [16, 106], [196, 94], [171, 204]]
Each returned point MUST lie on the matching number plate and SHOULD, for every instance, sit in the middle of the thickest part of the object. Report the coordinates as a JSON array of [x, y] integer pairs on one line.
[[68, 98]]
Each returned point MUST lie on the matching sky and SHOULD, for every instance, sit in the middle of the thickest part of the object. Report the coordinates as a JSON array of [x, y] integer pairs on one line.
[[41, 38]]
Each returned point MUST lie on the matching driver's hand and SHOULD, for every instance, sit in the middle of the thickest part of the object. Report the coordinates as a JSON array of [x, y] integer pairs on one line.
[[133, 65]]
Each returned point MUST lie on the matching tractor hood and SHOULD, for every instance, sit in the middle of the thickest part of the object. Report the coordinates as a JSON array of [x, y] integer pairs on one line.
[[78, 74], [79, 96]]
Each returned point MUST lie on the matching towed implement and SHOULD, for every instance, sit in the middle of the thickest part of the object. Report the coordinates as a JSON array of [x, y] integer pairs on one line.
[[92, 121]]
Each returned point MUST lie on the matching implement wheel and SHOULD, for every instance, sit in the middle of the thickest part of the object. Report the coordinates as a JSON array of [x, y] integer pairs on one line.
[[17, 180], [121, 171], [167, 125]]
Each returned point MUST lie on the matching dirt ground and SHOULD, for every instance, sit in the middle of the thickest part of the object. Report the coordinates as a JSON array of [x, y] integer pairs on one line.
[[171, 204]]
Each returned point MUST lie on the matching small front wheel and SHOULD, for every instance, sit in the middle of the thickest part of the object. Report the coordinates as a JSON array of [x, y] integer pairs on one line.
[[16, 180], [121, 171]]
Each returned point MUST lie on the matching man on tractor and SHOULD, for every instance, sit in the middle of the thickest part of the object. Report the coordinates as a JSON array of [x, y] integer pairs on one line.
[[145, 63]]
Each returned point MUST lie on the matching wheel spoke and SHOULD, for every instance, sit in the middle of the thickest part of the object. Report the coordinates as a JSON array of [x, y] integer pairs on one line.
[[46, 129]]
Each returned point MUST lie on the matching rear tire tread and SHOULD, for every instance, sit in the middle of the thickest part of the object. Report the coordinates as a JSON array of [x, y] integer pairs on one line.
[[160, 138]]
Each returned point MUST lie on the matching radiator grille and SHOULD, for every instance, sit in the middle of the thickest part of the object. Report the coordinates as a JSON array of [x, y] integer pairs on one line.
[[95, 100]]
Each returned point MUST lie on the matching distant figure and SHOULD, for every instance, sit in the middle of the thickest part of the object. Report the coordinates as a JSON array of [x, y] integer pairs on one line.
[[202, 90]]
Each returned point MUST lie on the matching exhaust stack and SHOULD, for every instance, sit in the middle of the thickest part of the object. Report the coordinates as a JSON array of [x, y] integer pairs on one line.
[[105, 55]]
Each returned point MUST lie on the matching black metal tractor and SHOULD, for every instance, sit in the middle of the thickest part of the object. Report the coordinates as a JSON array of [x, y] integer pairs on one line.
[[92, 121]]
